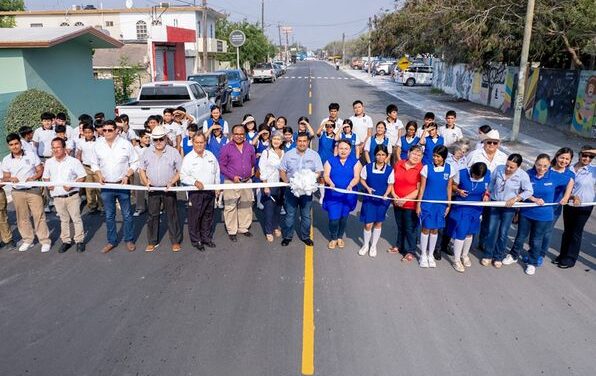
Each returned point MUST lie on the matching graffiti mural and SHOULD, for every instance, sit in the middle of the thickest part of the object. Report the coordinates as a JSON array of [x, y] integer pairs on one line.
[[509, 90], [555, 96], [493, 81], [453, 79], [584, 114]]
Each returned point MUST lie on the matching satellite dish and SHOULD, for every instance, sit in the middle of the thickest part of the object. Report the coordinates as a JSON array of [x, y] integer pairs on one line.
[[129, 4]]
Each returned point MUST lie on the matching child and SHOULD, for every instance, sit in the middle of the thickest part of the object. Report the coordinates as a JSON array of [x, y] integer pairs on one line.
[[326, 146], [43, 136], [376, 178], [250, 127], [464, 221], [280, 124], [174, 129], [261, 143], [141, 148], [288, 143], [436, 181], [346, 134], [60, 131], [451, 133], [216, 118], [191, 130], [482, 132], [380, 138], [430, 139], [405, 142], [84, 154], [429, 117], [333, 117], [304, 127], [122, 122], [26, 133], [394, 126]]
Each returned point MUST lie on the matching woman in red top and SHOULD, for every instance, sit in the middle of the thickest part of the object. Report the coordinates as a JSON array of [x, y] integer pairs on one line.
[[406, 185]]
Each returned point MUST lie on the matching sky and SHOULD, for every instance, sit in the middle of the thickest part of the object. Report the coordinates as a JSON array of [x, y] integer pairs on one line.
[[314, 22]]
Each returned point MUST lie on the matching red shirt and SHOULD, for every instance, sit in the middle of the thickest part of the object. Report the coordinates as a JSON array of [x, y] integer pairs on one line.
[[406, 181]]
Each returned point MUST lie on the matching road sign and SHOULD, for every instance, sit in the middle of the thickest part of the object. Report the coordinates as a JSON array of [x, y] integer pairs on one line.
[[237, 38], [403, 63]]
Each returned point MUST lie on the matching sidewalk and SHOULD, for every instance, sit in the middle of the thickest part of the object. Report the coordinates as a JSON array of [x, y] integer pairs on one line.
[[534, 138]]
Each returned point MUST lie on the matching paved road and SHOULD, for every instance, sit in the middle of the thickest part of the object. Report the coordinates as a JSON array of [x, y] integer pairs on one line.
[[238, 310]]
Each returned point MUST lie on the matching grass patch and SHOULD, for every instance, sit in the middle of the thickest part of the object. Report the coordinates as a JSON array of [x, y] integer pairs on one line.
[[436, 90]]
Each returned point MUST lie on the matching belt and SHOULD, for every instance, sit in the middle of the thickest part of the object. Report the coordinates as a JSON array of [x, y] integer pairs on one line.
[[67, 195]]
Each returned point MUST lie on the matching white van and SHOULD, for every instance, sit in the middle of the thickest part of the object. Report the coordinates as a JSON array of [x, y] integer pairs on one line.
[[417, 75]]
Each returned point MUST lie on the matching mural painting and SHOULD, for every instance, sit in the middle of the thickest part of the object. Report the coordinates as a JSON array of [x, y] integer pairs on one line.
[[555, 96], [584, 114]]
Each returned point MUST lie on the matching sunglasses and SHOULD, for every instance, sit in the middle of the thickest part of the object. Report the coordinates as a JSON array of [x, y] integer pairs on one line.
[[329, 125], [492, 142], [109, 130], [585, 155], [159, 139]]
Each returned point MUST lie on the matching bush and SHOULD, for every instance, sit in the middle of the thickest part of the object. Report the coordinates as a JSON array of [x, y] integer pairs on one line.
[[27, 107]]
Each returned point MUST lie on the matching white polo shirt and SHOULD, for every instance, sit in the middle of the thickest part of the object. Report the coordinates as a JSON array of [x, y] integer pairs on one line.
[[174, 130], [479, 155], [451, 135], [68, 169], [21, 166], [393, 131], [115, 160], [86, 148], [204, 169], [361, 125], [43, 138]]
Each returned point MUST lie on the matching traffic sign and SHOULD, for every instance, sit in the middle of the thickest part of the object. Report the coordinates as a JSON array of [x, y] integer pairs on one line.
[[237, 38], [403, 63]]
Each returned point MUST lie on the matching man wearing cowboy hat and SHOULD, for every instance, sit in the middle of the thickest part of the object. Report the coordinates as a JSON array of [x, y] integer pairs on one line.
[[160, 167]]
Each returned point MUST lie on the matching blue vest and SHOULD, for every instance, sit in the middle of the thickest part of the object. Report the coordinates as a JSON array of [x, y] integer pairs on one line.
[[436, 183], [475, 190], [374, 143], [352, 140], [427, 157], [405, 146], [214, 145], [287, 147], [378, 182], [326, 147], [250, 136], [210, 123], [186, 145]]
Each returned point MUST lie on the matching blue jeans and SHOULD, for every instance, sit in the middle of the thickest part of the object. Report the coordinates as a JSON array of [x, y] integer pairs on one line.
[[549, 232], [499, 224], [109, 197], [292, 204], [537, 231], [337, 227]]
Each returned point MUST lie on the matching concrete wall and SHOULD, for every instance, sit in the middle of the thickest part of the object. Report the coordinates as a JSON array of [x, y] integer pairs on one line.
[[584, 115]]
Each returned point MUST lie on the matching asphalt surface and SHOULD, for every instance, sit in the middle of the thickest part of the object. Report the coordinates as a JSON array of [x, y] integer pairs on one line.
[[238, 309]]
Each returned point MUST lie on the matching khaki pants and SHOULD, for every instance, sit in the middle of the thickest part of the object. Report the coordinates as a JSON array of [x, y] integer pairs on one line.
[[69, 209], [5, 233], [93, 197], [237, 209], [29, 203]]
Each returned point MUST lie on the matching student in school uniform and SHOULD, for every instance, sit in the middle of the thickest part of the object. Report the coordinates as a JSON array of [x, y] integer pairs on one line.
[[141, 196], [280, 123], [84, 154], [333, 117], [376, 178], [463, 222], [250, 127], [451, 133], [288, 139], [429, 118], [326, 149], [405, 142], [430, 140], [260, 143], [60, 131], [435, 184], [379, 138], [187, 144], [304, 127], [341, 171], [394, 126], [351, 137]]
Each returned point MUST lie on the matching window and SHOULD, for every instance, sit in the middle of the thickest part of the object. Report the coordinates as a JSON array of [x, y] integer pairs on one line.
[[175, 22], [109, 23], [211, 31], [141, 30], [79, 24], [36, 25], [197, 91], [198, 30], [64, 24]]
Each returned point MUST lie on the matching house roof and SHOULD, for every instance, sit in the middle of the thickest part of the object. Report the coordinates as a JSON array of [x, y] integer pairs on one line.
[[108, 11], [43, 37], [136, 54]]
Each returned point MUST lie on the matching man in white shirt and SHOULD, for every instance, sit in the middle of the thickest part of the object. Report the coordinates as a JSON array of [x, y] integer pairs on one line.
[[17, 167], [64, 168], [490, 153], [362, 124], [393, 125], [6, 239], [115, 160], [334, 117], [451, 133], [84, 153], [43, 136], [200, 167]]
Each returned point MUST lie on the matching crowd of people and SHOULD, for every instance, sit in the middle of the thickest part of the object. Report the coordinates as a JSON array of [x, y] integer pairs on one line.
[[419, 170]]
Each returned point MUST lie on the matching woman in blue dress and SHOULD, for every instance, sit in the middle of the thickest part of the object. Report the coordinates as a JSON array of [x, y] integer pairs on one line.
[[379, 138], [463, 221], [435, 184], [351, 137], [342, 171], [326, 149], [377, 179], [405, 142], [430, 139]]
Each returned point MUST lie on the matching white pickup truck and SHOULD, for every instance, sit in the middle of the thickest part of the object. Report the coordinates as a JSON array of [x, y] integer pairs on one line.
[[155, 97]]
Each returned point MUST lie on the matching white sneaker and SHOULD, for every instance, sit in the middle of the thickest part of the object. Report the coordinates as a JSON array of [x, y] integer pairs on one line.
[[431, 262], [508, 260], [458, 266], [466, 261], [47, 209], [138, 213], [373, 252], [45, 248], [424, 262], [25, 246], [260, 206], [282, 212], [530, 270], [364, 250]]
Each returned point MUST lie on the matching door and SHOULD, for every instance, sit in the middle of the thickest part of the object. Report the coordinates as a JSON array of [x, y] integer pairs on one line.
[[171, 72], [159, 64]]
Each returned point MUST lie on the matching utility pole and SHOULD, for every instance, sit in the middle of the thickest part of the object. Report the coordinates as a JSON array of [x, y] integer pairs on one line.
[[523, 70], [286, 54], [279, 32], [263, 16], [204, 27], [343, 48], [369, 39]]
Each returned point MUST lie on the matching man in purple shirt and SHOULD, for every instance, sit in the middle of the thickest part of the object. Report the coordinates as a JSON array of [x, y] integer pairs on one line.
[[236, 162]]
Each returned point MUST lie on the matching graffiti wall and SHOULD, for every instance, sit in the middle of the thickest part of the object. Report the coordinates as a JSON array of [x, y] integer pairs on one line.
[[584, 112], [555, 96], [453, 79]]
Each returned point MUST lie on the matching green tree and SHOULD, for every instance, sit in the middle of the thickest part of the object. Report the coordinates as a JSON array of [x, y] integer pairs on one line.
[[124, 77], [7, 6], [256, 49]]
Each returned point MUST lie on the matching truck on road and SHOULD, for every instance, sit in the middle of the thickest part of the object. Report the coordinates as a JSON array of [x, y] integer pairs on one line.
[[155, 97]]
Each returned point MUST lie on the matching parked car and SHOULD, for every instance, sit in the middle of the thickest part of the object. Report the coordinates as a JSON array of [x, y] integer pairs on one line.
[[279, 71], [216, 85], [417, 75], [283, 66], [239, 82], [154, 97], [264, 72], [383, 68]]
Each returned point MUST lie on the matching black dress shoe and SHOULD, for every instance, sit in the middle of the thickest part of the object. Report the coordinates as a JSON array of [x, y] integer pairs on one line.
[[209, 244], [64, 247], [233, 238], [437, 255], [308, 242], [81, 247], [556, 260], [565, 266], [285, 242], [199, 246], [248, 234], [11, 245]]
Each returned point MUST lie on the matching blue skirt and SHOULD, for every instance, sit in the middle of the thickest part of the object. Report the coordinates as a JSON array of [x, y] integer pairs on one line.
[[432, 216], [463, 221], [338, 204], [373, 210]]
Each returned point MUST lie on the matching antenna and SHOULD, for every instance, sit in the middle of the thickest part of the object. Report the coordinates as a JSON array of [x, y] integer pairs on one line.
[[129, 4]]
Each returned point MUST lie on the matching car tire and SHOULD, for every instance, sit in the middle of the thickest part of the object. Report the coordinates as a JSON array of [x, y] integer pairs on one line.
[[240, 102], [247, 96], [381, 73], [229, 105], [410, 82]]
